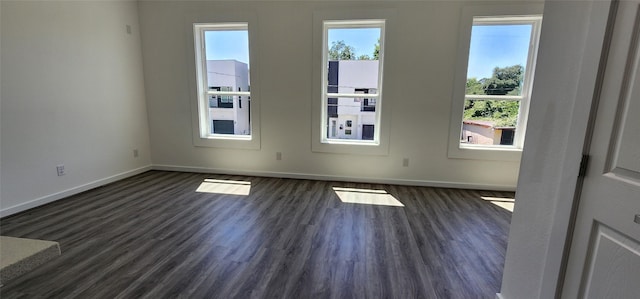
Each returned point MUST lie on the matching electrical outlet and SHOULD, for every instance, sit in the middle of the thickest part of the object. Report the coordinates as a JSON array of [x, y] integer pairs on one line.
[[405, 162], [60, 170], [135, 153], [278, 156], [128, 29]]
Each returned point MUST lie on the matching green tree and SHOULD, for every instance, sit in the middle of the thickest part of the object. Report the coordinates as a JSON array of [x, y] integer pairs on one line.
[[341, 51], [506, 80], [501, 113], [376, 50], [474, 86]]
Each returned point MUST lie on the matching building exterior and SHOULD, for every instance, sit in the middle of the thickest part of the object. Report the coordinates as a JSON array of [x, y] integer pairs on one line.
[[229, 114], [352, 118], [485, 132]]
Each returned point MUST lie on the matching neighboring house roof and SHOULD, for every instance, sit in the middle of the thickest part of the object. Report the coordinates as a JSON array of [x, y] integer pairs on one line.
[[482, 123], [486, 124]]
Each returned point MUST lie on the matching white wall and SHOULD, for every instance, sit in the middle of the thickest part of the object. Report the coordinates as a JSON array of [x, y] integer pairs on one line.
[[358, 74], [72, 94], [420, 60]]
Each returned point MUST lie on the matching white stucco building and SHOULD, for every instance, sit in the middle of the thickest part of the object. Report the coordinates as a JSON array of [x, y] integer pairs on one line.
[[229, 114], [352, 118]]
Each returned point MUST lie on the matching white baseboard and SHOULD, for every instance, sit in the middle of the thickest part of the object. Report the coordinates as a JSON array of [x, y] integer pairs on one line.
[[499, 296], [292, 175], [75, 190]]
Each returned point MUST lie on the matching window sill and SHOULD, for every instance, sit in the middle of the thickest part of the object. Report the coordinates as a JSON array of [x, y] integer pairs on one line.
[[359, 147], [227, 137], [351, 142], [494, 153], [224, 141], [506, 148]]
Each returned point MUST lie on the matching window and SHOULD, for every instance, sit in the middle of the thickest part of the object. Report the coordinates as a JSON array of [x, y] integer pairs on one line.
[[352, 66], [366, 104], [491, 107], [218, 101], [222, 127], [222, 62], [498, 84]]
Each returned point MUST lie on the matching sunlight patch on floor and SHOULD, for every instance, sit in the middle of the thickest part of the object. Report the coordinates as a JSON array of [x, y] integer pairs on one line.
[[367, 196], [505, 203], [225, 187]]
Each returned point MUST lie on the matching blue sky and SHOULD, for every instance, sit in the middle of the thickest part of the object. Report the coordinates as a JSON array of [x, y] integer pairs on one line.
[[233, 44], [491, 46], [362, 39], [227, 44]]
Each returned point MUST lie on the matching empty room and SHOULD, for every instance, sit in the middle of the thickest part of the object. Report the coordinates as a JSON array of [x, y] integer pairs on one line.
[[319, 149]]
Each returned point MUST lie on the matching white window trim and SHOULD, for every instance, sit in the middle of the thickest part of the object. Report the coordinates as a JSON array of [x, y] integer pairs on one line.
[[369, 23], [378, 18], [199, 91], [490, 14]]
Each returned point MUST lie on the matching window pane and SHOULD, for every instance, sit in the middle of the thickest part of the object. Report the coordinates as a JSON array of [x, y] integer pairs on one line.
[[356, 115], [234, 109], [497, 58], [489, 122], [227, 68], [352, 55]]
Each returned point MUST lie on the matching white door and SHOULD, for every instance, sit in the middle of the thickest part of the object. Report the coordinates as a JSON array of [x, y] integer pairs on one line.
[[333, 127], [604, 261]]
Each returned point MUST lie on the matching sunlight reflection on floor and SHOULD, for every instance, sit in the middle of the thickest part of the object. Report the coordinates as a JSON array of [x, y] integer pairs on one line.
[[225, 187], [505, 203], [367, 196]]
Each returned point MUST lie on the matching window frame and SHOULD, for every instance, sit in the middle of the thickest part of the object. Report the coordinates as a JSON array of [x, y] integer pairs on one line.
[[345, 24], [490, 15], [319, 126], [198, 87]]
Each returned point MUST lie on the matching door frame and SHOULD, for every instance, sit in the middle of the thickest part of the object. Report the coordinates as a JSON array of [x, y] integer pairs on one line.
[[613, 8], [595, 221], [571, 47]]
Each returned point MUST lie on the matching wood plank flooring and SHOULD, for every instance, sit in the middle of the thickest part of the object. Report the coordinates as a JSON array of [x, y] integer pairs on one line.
[[154, 236]]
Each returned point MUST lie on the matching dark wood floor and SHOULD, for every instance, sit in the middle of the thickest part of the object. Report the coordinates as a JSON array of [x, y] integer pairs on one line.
[[153, 236]]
